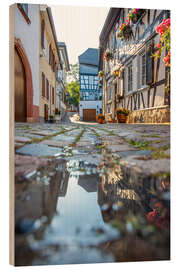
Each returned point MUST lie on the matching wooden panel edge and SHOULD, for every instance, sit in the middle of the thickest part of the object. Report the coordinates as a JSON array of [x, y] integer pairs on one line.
[[11, 136]]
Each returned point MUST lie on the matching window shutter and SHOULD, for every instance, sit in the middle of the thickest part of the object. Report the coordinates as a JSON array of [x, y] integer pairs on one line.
[[121, 82], [50, 54], [149, 64], [138, 71], [53, 62], [47, 89], [53, 95], [43, 85], [42, 33]]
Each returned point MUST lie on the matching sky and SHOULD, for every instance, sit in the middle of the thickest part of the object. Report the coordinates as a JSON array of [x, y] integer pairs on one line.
[[78, 27]]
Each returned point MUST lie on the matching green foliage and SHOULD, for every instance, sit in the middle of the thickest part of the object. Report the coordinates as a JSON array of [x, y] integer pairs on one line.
[[140, 144], [73, 89]]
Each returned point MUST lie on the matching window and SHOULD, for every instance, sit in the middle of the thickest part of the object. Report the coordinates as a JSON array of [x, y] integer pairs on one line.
[[43, 84], [130, 78], [24, 11], [47, 89], [51, 58], [42, 33], [52, 95], [143, 69]]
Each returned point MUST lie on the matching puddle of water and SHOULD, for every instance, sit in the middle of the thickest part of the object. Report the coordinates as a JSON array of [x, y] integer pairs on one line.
[[87, 211]]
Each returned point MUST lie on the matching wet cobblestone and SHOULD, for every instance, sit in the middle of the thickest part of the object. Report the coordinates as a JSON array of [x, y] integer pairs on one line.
[[97, 190]]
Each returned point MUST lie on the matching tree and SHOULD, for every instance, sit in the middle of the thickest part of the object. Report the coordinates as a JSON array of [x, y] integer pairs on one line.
[[73, 90]]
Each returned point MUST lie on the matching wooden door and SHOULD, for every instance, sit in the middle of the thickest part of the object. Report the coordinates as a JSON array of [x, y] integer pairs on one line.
[[45, 112], [20, 89], [89, 115]]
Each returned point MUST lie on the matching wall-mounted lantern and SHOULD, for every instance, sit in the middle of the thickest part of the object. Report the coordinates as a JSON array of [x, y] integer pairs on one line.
[[116, 73]]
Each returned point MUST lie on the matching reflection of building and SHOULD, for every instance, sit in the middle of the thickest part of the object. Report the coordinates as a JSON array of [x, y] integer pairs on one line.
[[64, 181], [112, 189], [62, 79], [90, 100], [140, 83]]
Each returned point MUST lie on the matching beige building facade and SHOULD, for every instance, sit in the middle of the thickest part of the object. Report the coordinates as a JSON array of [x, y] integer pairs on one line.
[[49, 64]]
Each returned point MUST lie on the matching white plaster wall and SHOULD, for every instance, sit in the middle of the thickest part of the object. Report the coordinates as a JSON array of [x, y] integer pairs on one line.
[[89, 105], [29, 35]]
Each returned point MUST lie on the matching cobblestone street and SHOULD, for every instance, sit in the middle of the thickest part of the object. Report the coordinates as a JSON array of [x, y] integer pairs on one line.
[[91, 173]]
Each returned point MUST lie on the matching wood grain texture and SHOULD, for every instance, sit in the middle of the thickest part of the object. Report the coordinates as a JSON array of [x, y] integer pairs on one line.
[[11, 137]]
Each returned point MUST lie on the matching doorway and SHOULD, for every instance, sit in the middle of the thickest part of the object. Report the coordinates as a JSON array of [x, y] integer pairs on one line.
[[20, 89]]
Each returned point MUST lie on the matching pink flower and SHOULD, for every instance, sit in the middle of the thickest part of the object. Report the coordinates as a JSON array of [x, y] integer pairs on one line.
[[128, 20], [159, 45], [166, 59], [151, 215], [136, 10], [163, 26]]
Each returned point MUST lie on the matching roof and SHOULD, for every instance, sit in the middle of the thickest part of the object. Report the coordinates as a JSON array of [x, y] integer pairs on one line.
[[88, 69], [89, 57], [113, 14], [63, 46]]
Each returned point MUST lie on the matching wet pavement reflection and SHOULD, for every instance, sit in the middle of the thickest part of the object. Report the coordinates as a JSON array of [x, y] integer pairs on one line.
[[78, 211]]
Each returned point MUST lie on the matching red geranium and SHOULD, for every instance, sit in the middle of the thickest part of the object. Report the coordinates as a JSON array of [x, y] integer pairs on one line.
[[162, 28]]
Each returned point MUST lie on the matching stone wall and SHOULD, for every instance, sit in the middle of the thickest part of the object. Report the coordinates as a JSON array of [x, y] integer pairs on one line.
[[150, 115]]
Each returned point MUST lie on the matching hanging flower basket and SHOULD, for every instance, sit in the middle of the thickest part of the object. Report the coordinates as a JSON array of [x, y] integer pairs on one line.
[[100, 74], [125, 32], [135, 14], [108, 55]]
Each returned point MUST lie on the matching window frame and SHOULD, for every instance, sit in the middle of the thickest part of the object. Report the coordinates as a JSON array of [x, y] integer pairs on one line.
[[130, 78], [142, 68], [43, 85], [47, 89], [43, 34]]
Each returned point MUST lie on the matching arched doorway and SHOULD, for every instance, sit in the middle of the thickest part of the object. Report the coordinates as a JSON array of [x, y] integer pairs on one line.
[[20, 89], [23, 84]]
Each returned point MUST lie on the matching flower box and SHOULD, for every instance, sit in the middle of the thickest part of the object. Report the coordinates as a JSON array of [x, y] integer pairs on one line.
[[121, 118], [135, 14], [100, 118], [122, 114]]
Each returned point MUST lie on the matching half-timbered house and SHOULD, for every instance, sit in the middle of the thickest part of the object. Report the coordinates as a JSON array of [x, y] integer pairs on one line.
[[90, 94], [140, 80]]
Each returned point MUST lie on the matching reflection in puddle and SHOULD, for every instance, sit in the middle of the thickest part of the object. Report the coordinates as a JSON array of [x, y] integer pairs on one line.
[[93, 218]]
